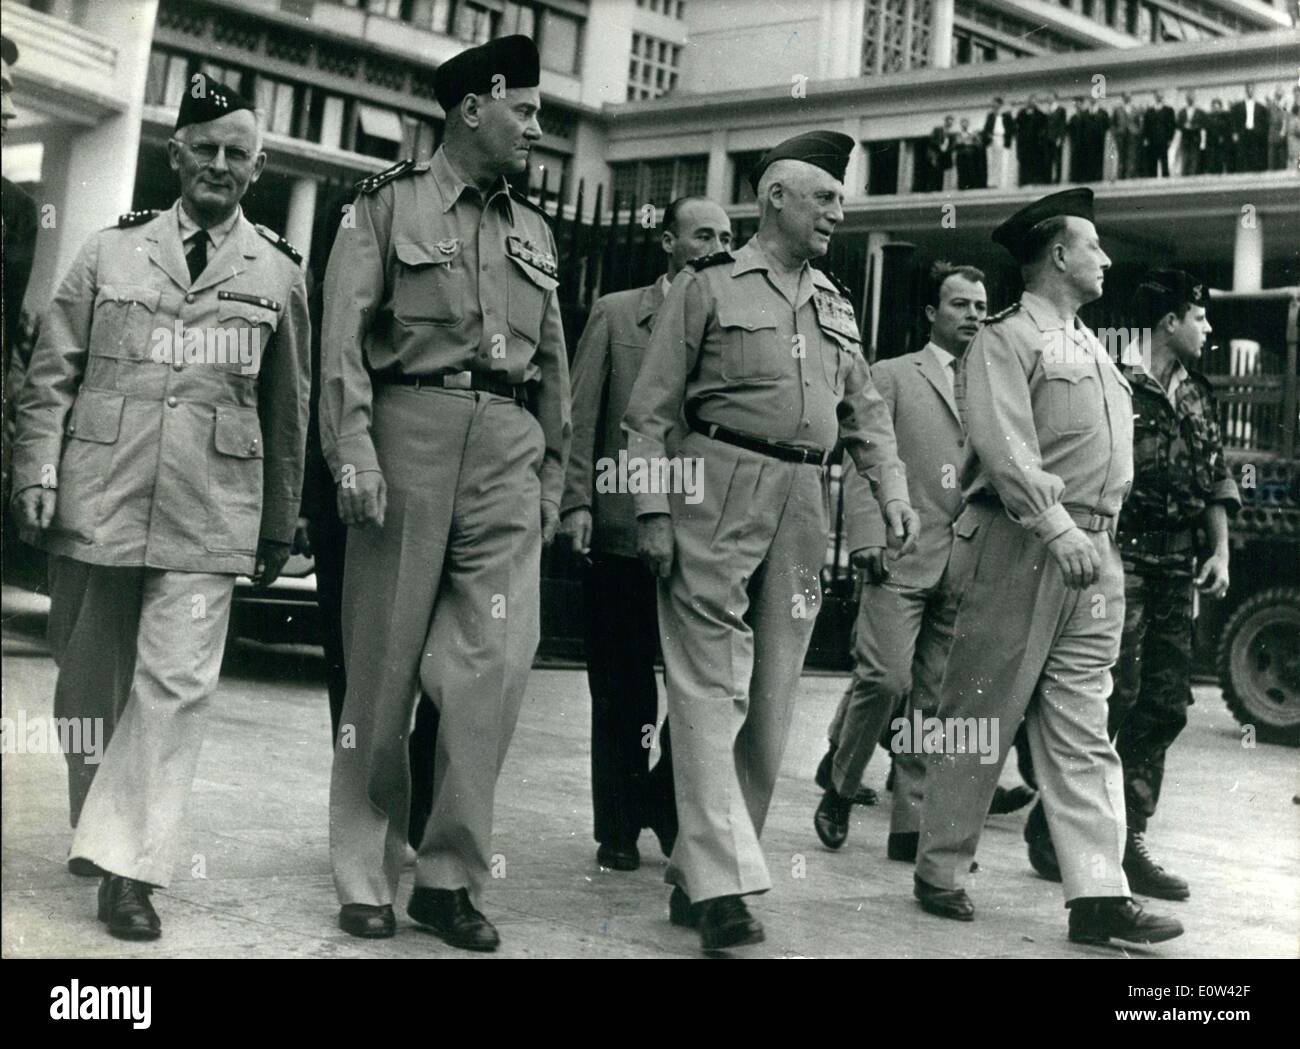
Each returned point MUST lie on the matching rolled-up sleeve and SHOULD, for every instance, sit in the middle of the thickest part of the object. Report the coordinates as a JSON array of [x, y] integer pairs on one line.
[[998, 415], [660, 389]]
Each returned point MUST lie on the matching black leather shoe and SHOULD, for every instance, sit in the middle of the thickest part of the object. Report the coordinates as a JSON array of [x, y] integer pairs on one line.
[[83, 868], [1097, 920], [1042, 857], [681, 911], [370, 921], [450, 915], [618, 857], [946, 903], [725, 922], [862, 796], [1012, 800], [1148, 878], [124, 906], [831, 820], [903, 846]]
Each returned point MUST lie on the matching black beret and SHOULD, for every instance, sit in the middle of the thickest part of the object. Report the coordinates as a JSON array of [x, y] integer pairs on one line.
[[205, 99], [471, 72], [1172, 289], [828, 150], [1014, 233], [8, 50]]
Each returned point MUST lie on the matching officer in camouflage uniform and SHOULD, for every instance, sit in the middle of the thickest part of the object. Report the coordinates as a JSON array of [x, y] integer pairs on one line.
[[1181, 481]]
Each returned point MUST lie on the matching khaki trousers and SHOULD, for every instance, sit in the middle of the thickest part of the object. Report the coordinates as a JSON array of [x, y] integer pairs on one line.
[[735, 619], [443, 598], [900, 647], [173, 626], [1026, 646]]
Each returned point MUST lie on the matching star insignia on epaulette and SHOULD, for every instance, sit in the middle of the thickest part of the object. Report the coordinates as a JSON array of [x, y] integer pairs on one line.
[[136, 218], [1003, 314], [716, 259], [280, 243], [381, 178], [530, 204], [840, 286]]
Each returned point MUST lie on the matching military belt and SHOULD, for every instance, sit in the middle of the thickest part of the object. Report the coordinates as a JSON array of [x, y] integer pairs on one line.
[[1085, 517], [466, 380], [787, 452]]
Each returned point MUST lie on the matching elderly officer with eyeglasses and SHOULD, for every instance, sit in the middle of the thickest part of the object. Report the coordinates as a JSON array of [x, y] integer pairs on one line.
[[158, 455]]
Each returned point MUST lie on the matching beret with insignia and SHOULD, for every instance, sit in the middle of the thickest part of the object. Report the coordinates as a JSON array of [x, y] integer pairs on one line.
[[473, 72], [828, 150], [205, 99], [8, 50], [1166, 291], [1017, 233]]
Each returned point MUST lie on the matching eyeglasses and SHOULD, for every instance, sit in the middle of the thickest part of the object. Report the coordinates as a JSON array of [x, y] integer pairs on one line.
[[207, 152]]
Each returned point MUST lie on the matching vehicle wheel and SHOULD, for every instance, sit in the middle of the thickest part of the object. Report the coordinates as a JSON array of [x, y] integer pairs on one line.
[[1259, 664]]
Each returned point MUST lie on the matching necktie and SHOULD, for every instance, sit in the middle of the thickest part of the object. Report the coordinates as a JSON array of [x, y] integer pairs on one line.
[[197, 257]]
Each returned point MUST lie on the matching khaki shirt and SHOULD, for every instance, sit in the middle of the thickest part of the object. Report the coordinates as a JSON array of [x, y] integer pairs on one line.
[[731, 345], [173, 461], [429, 278], [1048, 416]]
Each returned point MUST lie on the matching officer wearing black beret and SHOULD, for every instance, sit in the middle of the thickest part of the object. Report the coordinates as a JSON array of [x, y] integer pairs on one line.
[[445, 423]]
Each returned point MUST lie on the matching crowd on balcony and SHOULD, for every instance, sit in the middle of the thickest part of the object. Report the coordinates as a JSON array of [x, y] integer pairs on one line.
[[1045, 142]]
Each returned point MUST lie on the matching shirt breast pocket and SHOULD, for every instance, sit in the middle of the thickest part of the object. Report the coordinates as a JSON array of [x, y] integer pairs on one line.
[[527, 290], [429, 284], [1073, 398], [124, 322], [838, 352], [243, 334], [751, 350]]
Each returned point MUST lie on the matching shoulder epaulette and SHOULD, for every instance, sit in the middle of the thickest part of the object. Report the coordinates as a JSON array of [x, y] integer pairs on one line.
[[523, 199], [840, 286], [381, 178], [716, 259], [1003, 315], [280, 243], [136, 218]]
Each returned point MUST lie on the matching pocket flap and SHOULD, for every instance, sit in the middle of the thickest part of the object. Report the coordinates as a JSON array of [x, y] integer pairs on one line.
[[124, 293], [1071, 373], [238, 433], [734, 317], [247, 311], [416, 253], [539, 278], [967, 525], [96, 416]]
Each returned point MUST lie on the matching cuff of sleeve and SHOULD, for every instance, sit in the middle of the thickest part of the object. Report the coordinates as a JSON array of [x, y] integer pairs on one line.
[[552, 483], [1225, 492], [279, 520], [893, 485], [1053, 521], [356, 451], [29, 468]]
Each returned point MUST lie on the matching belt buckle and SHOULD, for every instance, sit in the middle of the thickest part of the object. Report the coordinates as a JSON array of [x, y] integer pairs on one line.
[[458, 381]]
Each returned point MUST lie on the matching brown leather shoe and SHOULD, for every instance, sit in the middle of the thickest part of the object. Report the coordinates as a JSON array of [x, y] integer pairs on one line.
[[618, 857], [125, 908], [449, 914], [946, 903]]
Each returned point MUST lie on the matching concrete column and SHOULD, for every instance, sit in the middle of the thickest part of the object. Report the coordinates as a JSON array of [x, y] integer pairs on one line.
[[855, 175], [1248, 253], [876, 239], [302, 215], [715, 186], [941, 34], [906, 166]]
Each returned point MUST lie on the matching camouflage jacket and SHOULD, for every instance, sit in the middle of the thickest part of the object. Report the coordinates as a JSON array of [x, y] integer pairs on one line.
[[1178, 470]]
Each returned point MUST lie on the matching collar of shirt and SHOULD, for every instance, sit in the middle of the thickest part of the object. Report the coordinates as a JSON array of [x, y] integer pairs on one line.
[[452, 185], [753, 257], [946, 361], [1043, 313], [216, 234], [664, 284]]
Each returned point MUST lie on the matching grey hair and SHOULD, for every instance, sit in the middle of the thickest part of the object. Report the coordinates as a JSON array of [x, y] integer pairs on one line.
[[785, 171]]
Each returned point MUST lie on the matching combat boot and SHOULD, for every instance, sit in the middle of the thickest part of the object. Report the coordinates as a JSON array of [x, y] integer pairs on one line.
[[1145, 876], [1096, 919]]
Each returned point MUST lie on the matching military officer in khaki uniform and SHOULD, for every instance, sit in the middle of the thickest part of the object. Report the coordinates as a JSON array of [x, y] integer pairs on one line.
[[762, 353], [158, 455], [622, 625], [1049, 422], [445, 422]]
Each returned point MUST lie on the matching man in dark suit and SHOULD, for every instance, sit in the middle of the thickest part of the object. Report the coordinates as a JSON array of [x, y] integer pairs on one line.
[[1191, 128], [1126, 122], [1096, 124], [1217, 158], [1032, 143], [1057, 122], [622, 622], [1158, 124], [1250, 132], [1077, 131]]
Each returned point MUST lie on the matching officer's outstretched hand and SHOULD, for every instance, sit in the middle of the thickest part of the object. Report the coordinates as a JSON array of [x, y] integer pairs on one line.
[[577, 527], [902, 527], [363, 501], [1078, 558], [654, 543], [550, 521], [271, 556], [36, 506]]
